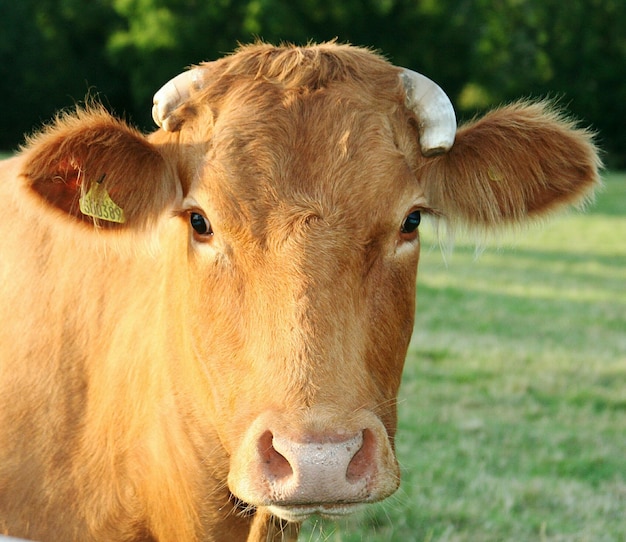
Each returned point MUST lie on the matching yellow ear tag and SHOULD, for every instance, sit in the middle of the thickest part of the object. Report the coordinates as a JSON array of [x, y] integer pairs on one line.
[[98, 204]]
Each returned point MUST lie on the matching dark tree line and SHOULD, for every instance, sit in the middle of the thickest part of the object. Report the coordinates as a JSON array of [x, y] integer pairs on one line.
[[53, 53]]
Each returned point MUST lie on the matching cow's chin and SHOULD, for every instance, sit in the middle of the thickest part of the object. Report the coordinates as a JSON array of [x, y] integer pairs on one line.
[[300, 513]]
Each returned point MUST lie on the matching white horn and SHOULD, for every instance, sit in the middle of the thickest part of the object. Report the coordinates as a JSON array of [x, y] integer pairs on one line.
[[172, 94], [437, 121]]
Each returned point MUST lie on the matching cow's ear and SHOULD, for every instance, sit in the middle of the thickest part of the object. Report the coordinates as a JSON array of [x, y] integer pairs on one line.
[[97, 169], [518, 162]]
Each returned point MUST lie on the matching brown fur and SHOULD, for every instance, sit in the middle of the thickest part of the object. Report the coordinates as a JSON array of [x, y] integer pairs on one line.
[[133, 359]]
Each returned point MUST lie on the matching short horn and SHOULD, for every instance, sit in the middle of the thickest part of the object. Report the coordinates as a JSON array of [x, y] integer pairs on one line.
[[437, 121], [171, 95]]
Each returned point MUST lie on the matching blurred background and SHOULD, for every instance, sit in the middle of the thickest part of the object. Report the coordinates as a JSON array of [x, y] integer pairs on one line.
[[53, 53]]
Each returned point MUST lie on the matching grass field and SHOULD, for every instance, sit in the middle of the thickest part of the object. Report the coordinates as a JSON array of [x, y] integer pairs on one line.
[[513, 406]]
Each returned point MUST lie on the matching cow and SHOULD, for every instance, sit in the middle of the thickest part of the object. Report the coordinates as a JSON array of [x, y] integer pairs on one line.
[[204, 328]]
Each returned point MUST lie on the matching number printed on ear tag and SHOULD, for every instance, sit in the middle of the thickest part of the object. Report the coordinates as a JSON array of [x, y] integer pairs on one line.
[[98, 204]]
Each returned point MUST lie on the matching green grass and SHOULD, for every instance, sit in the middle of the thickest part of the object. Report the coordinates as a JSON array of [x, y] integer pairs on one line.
[[513, 405]]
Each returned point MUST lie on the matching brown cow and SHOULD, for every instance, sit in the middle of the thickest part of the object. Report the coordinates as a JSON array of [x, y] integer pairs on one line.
[[203, 329]]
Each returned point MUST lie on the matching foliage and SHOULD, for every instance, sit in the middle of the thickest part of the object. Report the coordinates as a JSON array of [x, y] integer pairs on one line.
[[53, 52]]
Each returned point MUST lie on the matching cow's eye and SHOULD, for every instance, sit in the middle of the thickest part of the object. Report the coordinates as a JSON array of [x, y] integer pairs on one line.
[[200, 224], [410, 224]]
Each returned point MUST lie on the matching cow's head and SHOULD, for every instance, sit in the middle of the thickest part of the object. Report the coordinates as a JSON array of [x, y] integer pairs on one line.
[[291, 182]]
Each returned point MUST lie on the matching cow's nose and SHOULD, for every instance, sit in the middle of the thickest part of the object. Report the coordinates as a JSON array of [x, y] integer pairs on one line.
[[322, 469], [311, 462]]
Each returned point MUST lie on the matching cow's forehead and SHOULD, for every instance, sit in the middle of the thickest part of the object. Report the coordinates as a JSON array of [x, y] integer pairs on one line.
[[322, 152]]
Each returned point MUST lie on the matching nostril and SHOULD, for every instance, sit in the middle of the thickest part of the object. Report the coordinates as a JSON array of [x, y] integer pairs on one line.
[[277, 466], [362, 464]]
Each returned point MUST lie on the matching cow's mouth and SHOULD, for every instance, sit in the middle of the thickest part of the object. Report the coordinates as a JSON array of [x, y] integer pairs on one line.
[[298, 513]]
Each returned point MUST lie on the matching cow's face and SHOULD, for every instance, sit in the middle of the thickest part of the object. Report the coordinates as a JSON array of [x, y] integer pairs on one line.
[[302, 228]]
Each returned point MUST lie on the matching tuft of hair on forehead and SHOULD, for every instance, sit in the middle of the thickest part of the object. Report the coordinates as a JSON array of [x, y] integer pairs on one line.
[[312, 67]]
